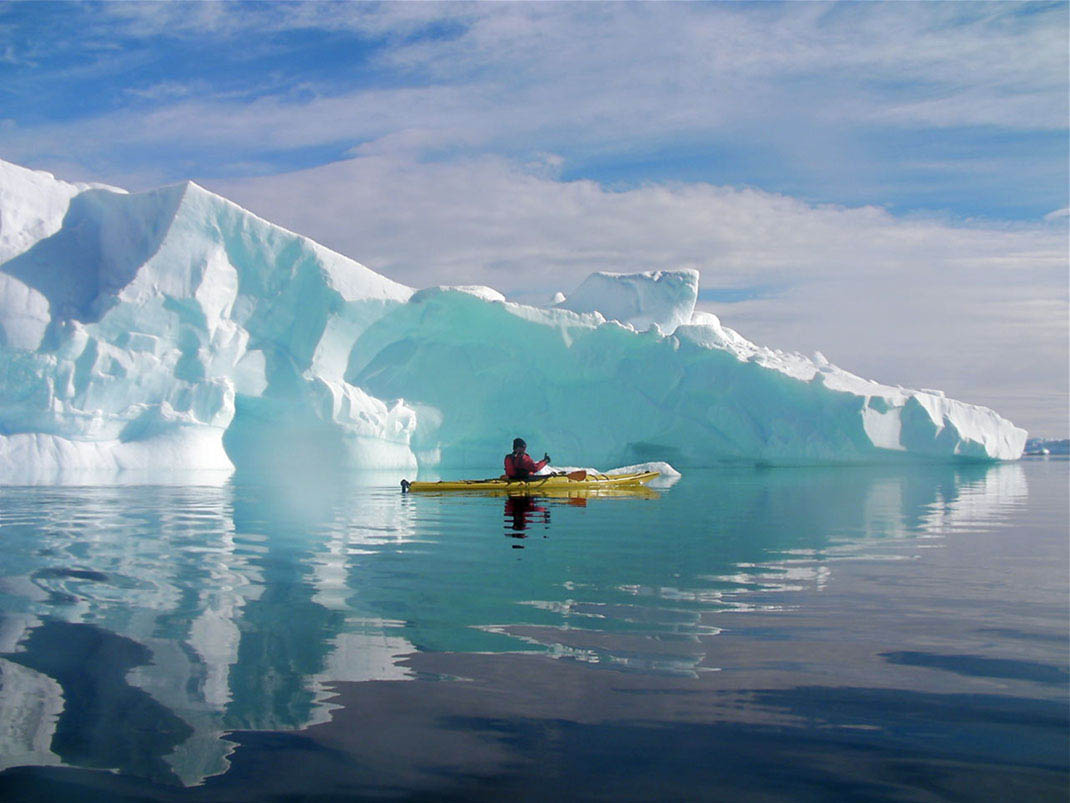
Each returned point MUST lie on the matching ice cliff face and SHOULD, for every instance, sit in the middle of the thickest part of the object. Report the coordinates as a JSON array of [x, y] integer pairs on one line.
[[151, 328], [173, 329]]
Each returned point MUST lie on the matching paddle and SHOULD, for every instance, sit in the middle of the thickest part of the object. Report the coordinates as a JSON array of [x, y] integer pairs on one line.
[[579, 476]]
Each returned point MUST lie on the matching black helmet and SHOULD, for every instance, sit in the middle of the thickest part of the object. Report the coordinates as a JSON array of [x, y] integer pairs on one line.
[[518, 443]]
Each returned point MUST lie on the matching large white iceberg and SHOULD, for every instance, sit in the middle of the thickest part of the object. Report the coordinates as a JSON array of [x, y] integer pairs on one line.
[[173, 329]]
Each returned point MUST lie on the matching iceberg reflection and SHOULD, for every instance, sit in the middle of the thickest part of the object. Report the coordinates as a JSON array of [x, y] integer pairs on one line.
[[237, 605]]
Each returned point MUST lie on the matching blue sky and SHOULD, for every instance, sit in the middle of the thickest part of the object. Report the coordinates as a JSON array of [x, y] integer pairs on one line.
[[816, 161], [64, 64]]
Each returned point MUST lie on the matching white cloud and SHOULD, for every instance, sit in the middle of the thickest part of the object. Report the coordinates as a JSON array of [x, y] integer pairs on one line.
[[978, 310]]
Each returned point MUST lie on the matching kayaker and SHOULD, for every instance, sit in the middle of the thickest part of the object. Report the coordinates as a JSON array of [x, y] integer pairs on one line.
[[518, 463]]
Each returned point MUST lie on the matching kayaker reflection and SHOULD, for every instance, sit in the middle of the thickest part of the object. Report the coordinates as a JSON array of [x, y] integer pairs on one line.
[[518, 463], [522, 511]]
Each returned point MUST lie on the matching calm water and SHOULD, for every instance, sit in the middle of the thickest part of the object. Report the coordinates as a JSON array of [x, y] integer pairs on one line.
[[779, 634]]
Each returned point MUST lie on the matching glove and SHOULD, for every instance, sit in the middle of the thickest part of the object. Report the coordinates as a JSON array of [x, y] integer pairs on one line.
[[546, 457]]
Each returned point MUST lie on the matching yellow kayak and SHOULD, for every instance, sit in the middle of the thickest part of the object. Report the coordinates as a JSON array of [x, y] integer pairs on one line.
[[576, 480]]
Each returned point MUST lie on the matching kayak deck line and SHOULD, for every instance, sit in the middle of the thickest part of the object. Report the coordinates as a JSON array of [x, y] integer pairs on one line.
[[536, 484]]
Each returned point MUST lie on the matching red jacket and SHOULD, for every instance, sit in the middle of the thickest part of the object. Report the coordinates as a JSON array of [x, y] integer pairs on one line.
[[522, 466]]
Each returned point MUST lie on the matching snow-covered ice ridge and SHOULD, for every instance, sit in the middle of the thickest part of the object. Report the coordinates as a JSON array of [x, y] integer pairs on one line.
[[173, 329]]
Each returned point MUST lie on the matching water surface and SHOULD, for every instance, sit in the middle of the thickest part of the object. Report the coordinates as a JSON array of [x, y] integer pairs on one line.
[[865, 633]]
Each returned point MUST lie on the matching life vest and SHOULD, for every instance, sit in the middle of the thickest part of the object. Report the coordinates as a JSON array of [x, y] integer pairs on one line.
[[515, 471]]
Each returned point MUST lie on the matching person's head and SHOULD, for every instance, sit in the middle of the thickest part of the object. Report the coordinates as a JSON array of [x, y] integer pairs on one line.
[[519, 445]]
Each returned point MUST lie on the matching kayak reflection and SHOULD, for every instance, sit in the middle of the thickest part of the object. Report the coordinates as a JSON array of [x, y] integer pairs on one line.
[[522, 511]]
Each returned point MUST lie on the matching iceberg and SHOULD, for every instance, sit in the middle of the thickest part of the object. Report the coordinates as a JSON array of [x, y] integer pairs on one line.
[[174, 330]]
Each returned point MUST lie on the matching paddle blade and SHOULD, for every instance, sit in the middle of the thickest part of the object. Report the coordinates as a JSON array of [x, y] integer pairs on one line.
[[579, 476]]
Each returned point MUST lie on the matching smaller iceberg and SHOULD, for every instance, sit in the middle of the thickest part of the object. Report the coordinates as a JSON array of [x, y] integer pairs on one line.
[[665, 299]]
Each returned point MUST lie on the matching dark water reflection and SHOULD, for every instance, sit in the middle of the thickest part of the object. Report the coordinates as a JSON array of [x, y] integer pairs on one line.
[[817, 633], [522, 512]]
